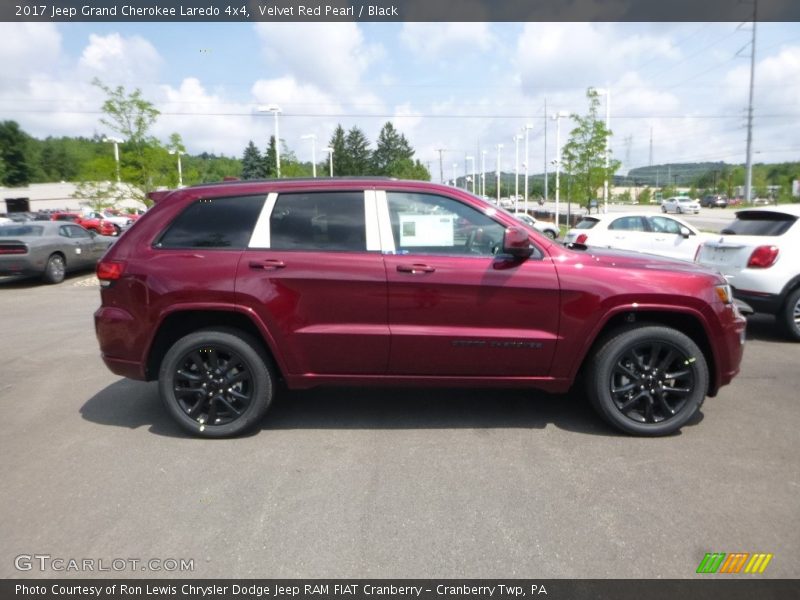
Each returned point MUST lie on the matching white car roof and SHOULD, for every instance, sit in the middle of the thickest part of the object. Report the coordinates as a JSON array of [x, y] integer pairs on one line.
[[604, 218]]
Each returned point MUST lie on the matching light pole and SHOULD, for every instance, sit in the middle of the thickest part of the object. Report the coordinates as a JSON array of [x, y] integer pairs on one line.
[[517, 138], [499, 147], [329, 150], [313, 138], [180, 170], [455, 177], [557, 117], [275, 110], [607, 93], [483, 172], [471, 159], [526, 129], [116, 142]]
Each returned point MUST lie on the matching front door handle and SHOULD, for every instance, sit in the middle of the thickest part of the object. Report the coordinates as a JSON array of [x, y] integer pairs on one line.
[[415, 268], [271, 264]]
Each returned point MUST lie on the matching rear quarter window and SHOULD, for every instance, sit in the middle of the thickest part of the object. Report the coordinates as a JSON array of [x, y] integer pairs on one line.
[[760, 223], [224, 223], [587, 223]]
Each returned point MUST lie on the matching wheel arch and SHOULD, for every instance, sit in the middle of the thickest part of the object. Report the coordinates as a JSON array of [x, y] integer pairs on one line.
[[688, 324], [180, 323]]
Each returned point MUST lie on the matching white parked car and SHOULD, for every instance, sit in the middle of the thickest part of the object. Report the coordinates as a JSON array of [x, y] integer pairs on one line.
[[545, 227], [680, 206], [758, 255], [642, 232]]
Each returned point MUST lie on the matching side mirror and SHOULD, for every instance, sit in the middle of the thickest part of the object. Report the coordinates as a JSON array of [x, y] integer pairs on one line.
[[516, 243], [685, 232], [92, 233]]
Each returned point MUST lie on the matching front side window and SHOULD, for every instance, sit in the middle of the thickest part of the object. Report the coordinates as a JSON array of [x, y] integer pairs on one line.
[[77, 232], [665, 225], [223, 223], [628, 224], [429, 224], [319, 221]]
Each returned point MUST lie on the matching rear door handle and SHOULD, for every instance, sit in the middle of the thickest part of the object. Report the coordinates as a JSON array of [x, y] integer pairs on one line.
[[415, 268], [271, 264]]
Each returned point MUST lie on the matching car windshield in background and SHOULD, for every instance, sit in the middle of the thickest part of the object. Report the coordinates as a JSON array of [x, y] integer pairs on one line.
[[586, 223], [760, 223], [20, 230]]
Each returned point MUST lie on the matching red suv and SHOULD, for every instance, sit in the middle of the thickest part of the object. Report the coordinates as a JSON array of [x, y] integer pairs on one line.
[[221, 290]]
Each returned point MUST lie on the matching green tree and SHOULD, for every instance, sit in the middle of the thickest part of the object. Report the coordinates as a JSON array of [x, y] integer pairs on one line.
[[391, 150], [357, 152], [341, 159], [584, 154], [13, 152], [253, 165]]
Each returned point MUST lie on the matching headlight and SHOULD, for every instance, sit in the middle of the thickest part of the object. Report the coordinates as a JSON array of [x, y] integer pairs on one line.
[[724, 293]]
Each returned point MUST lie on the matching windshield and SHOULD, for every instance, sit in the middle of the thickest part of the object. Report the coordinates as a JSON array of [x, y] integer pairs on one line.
[[760, 223]]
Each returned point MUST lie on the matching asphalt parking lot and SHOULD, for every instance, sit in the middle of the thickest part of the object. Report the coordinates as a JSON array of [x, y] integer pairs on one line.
[[376, 483]]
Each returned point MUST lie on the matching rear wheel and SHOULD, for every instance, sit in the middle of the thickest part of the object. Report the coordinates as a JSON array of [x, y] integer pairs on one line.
[[55, 269], [550, 234], [216, 382], [647, 380], [790, 315]]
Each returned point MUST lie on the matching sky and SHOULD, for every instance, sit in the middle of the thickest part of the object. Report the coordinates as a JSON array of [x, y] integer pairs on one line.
[[461, 87]]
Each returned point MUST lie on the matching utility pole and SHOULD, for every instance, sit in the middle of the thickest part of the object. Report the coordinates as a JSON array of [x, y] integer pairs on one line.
[[441, 165], [545, 150], [748, 184], [651, 147]]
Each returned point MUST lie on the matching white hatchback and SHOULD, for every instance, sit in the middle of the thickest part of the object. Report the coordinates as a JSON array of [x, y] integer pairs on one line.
[[758, 255], [642, 232], [680, 205]]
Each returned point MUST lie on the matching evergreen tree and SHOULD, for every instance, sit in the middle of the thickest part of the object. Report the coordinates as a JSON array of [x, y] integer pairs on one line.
[[253, 166], [359, 157], [271, 160], [390, 152], [341, 160]]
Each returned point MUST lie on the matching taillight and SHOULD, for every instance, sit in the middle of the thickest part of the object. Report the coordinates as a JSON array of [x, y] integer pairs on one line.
[[109, 270], [14, 249], [763, 257], [581, 239]]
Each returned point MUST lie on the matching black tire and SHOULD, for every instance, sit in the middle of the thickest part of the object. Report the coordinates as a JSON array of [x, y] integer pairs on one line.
[[664, 209], [216, 382], [55, 269], [117, 230], [647, 380], [790, 315], [551, 234]]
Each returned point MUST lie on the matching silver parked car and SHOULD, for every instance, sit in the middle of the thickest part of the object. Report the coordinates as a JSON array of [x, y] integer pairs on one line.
[[545, 227], [49, 249], [680, 205]]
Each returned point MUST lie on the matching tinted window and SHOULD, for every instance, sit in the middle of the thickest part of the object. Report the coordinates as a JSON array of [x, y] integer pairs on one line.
[[77, 232], [214, 223], [760, 223], [331, 221], [423, 223], [628, 224], [14, 230], [586, 223]]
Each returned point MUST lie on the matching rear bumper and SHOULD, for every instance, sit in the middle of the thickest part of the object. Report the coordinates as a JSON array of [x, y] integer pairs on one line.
[[116, 332], [760, 302]]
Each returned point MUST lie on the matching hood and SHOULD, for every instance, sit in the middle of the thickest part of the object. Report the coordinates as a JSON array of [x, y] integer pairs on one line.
[[626, 259]]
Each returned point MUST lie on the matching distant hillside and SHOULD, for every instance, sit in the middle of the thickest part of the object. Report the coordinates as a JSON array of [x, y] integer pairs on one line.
[[671, 174]]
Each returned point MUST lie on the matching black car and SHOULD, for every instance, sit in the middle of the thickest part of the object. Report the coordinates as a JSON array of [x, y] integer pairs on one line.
[[714, 201]]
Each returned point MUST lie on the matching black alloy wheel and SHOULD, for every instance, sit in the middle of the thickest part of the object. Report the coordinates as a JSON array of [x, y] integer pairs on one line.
[[216, 383], [648, 380]]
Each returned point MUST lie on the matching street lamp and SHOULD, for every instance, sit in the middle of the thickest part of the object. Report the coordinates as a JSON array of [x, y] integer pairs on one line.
[[180, 170], [557, 118], [116, 142], [607, 93], [526, 129], [275, 110], [483, 172], [499, 147], [313, 138], [455, 177], [517, 138], [329, 150], [471, 159]]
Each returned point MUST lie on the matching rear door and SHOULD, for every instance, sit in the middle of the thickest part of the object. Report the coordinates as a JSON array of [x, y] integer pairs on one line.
[[457, 307], [313, 272]]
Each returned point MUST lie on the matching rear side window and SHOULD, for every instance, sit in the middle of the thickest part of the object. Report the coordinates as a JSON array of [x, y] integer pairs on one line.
[[214, 223], [760, 223], [628, 224], [586, 223], [332, 221]]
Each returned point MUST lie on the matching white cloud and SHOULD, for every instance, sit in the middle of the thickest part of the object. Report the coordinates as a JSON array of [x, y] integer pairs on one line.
[[28, 49], [434, 41], [128, 60]]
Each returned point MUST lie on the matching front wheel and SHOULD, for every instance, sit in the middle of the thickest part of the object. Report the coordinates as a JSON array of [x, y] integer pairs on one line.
[[216, 382], [551, 234], [790, 315], [647, 380]]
